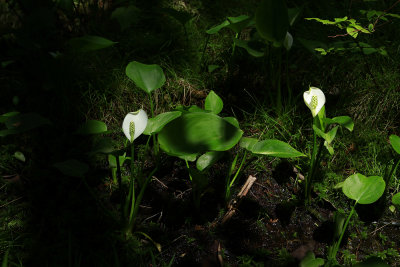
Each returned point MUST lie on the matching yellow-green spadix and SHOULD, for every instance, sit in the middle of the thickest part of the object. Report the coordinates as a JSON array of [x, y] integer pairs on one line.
[[134, 124], [314, 99]]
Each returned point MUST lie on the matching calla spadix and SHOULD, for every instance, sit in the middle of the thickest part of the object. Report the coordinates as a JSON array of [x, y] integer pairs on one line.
[[134, 124], [314, 99]]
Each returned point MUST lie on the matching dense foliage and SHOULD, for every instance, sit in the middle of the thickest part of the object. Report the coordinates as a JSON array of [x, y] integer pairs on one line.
[[179, 133]]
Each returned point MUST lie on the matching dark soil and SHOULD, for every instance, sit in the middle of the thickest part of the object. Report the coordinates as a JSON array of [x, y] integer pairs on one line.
[[271, 226]]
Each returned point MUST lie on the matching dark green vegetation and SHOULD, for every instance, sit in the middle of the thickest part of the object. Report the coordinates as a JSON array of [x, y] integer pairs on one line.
[[59, 203]]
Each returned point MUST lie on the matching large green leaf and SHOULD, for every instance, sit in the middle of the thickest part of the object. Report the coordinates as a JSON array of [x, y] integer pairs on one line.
[[72, 167], [126, 16], [198, 132], [103, 146], [272, 20], [275, 148], [396, 199], [213, 103], [89, 43], [218, 27], [23, 122], [237, 24], [154, 125], [208, 159], [253, 50], [364, 190], [395, 142], [344, 121], [5, 116], [293, 14], [92, 127], [146, 77]]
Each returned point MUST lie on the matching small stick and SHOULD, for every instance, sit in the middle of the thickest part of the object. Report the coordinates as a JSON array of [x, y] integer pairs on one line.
[[2, 206], [162, 184], [243, 192]]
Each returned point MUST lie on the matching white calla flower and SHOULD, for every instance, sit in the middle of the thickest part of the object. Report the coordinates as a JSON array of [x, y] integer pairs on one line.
[[288, 42], [134, 124], [314, 99]]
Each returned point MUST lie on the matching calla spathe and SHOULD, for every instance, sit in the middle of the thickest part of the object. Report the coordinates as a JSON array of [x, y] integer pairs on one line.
[[314, 99], [134, 124]]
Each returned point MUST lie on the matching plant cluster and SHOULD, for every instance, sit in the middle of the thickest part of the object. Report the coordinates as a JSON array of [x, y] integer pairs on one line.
[[105, 177]]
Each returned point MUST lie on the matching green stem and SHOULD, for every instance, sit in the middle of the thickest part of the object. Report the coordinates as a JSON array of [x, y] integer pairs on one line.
[[337, 244], [155, 143], [240, 167], [234, 45], [315, 158], [131, 195], [119, 178], [139, 200], [392, 171], [188, 168]]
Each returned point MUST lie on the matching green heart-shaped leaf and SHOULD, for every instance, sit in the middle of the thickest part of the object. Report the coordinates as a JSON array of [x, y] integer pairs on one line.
[[154, 125], [146, 77], [344, 121], [126, 16], [396, 199], [213, 103], [89, 43], [395, 142], [23, 122], [20, 156], [103, 146], [198, 132], [92, 127], [218, 27], [253, 51], [364, 190], [5, 116], [237, 24], [272, 20], [275, 148]]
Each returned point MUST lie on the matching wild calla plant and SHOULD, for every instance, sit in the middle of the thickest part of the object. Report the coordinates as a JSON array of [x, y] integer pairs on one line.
[[363, 190], [395, 143], [133, 126], [199, 133], [315, 100], [236, 24], [203, 135], [269, 33], [148, 78]]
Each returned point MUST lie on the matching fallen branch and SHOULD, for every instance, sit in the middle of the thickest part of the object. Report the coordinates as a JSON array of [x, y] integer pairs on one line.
[[234, 203]]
